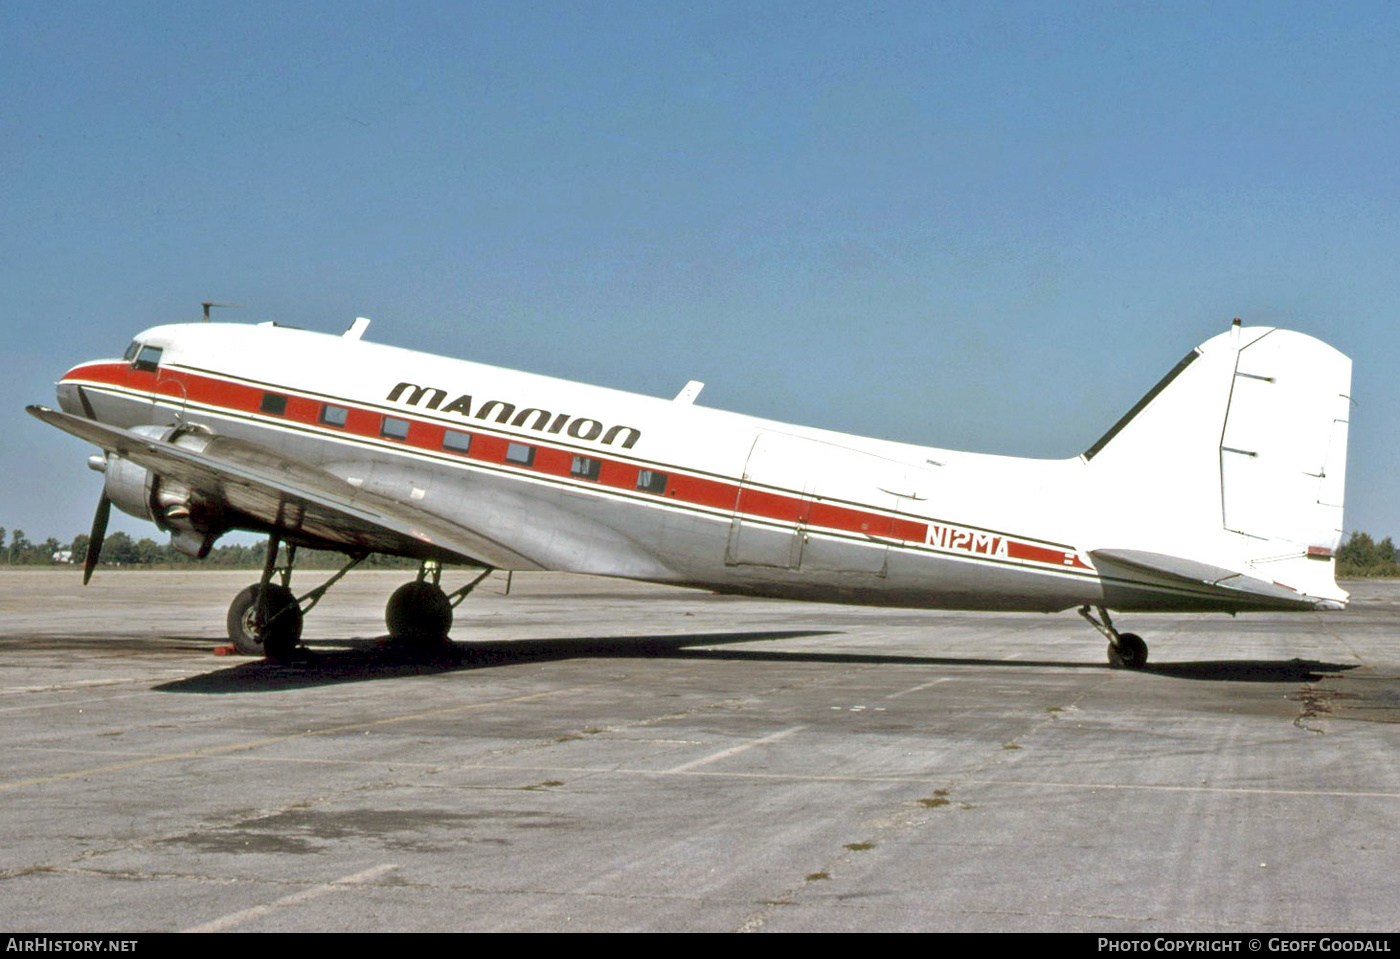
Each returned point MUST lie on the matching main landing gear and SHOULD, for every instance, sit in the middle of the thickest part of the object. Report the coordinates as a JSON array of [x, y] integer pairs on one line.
[[1125, 650], [266, 618], [420, 613], [270, 628]]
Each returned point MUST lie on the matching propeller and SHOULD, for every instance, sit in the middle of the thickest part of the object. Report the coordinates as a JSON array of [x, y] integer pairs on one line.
[[99, 531], [98, 464]]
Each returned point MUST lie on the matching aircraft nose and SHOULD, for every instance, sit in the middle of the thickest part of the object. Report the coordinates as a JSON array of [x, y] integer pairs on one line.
[[70, 400]]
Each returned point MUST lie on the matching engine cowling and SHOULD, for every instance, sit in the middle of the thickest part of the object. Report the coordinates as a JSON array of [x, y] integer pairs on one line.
[[193, 520]]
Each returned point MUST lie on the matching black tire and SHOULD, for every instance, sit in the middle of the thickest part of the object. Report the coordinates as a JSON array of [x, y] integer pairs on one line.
[[1129, 653], [279, 636], [419, 613]]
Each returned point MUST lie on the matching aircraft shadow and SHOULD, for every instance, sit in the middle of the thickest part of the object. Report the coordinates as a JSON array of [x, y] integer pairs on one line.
[[362, 660], [382, 658], [1251, 671]]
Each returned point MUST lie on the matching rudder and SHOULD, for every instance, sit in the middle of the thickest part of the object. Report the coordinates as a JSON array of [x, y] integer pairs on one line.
[[1237, 459]]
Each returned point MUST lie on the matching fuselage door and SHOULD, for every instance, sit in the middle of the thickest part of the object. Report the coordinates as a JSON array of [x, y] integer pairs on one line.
[[813, 506], [848, 527], [771, 508]]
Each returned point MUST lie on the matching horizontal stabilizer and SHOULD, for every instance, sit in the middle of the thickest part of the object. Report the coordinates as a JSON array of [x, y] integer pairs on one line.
[[1159, 569]]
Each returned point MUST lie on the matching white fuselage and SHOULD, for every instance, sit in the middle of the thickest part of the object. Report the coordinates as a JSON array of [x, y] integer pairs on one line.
[[542, 473]]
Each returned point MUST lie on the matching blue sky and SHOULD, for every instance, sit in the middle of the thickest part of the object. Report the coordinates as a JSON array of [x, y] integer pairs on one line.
[[979, 225]]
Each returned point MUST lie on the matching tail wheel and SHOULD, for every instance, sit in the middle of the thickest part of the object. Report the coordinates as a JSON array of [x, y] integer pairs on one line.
[[419, 612], [274, 634], [1130, 652]]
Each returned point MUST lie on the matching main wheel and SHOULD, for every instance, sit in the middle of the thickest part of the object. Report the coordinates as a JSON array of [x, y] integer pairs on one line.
[[1129, 653], [274, 635], [419, 613]]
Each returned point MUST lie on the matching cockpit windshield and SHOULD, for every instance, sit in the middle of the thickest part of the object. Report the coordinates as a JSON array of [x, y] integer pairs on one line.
[[148, 358]]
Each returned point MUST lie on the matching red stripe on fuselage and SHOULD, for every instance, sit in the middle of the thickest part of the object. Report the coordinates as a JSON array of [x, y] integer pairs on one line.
[[171, 385]]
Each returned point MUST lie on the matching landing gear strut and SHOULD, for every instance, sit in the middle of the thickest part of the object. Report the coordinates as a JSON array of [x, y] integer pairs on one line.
[[265, 619], [1125, 650]]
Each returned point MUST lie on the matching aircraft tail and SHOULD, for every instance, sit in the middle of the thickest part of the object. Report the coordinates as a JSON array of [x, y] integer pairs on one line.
[[1235, 463]]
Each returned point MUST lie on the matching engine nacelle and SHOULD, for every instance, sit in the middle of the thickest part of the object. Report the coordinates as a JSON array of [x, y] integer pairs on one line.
[[193, 521]]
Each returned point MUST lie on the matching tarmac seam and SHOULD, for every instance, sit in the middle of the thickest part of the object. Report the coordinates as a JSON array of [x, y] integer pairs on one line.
[[920, 687], [230, 748], [71, 703], [735, 750], [915, 779], [776, 777], [315, 892], [1157, 787]]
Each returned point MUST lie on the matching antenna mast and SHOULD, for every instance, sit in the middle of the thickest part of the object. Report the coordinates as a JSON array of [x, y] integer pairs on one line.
[[207, 304]]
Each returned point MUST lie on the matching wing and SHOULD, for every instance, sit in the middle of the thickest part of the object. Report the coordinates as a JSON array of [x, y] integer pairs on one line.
[[259, 488]]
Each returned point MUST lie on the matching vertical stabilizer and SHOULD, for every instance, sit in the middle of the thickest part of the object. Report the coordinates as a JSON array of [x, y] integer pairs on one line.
[[1237, 459]]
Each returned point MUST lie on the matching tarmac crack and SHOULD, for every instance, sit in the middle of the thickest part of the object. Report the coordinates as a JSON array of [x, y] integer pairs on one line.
[[1316, 702]]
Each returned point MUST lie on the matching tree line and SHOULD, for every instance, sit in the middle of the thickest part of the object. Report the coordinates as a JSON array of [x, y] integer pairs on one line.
[[119, 549], [1360, 556]]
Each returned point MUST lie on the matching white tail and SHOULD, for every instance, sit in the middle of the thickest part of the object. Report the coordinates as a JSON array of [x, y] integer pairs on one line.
[[1236, 461]]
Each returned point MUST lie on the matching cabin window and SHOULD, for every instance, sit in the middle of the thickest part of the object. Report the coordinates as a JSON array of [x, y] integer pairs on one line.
[[274, 403], [585, 467], [650, 481], [456, 441], [148, 358], [521, 453], [394, 428], [130, 353], [334, 415]]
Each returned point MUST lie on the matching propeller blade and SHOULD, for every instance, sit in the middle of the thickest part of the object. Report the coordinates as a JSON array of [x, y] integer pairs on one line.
[[99, 531]]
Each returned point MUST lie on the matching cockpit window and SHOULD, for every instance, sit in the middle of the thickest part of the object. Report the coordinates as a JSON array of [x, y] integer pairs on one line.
[[130, 353], [148, 358]]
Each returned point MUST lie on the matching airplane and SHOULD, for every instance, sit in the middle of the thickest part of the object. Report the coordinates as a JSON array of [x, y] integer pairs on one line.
[[1220, 490]]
